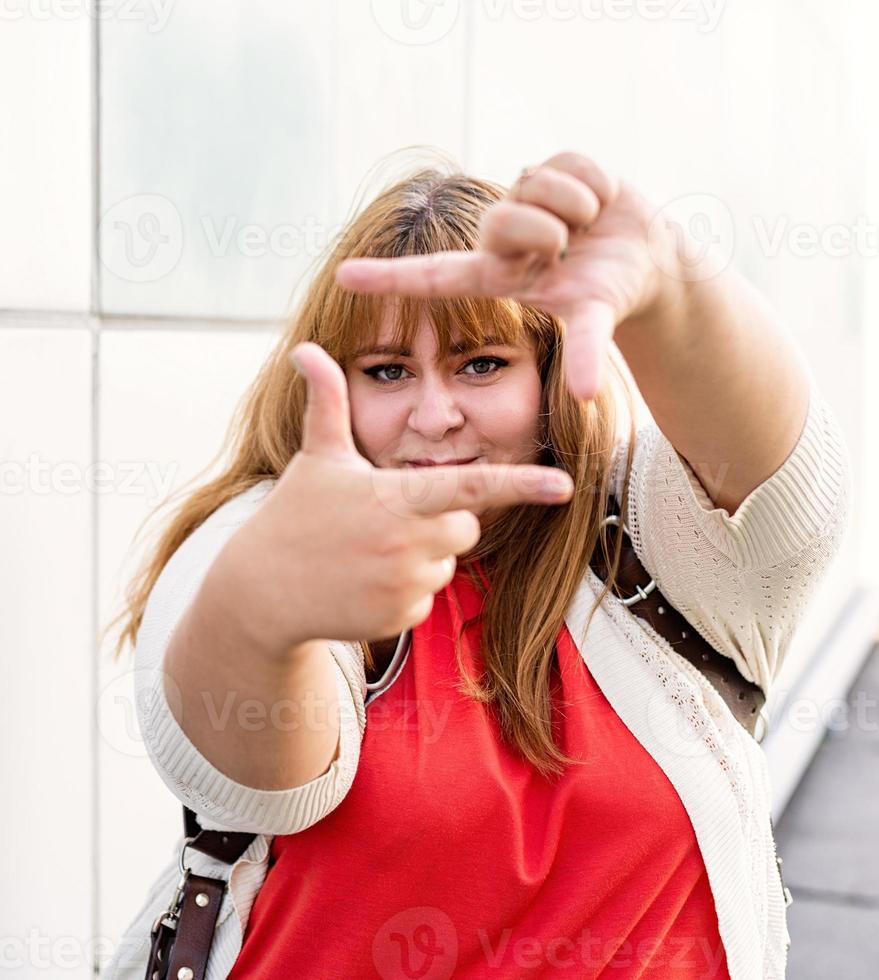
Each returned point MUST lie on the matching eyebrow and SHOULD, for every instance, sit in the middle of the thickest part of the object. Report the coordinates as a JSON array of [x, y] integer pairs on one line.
[[391, 350]]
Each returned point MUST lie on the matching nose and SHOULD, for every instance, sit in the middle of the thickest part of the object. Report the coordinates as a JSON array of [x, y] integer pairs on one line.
[[435, 410]]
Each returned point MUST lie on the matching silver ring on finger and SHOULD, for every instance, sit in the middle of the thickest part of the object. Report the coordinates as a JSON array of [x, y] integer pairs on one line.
[[525, 173]]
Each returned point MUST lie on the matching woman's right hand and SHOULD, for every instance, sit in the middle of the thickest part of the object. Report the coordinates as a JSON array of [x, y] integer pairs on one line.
[[344, 550]]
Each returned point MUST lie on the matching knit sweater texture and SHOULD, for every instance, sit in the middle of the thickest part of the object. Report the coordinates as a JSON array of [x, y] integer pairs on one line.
[[743, 581]]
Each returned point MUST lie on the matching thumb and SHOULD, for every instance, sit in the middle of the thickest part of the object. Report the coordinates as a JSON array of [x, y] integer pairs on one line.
[[326, 429]]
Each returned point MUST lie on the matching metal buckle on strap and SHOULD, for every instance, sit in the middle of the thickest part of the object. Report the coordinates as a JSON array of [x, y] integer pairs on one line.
[[163, 941], [762, 726], [640, 593], [163, 934], [171, 915], [186, 842], [788, 898]]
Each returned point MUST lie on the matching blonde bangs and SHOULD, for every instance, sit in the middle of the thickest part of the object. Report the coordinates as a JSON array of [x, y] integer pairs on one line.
[[460, 323]]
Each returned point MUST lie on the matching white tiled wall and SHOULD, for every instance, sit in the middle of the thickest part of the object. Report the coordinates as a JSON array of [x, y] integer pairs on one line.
[[47, 850], [390, 95], [45, 161], [233, 140], [214, 175]]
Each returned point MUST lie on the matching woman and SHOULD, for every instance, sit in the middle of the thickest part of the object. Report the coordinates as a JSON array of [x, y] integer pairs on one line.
[[528, 798]]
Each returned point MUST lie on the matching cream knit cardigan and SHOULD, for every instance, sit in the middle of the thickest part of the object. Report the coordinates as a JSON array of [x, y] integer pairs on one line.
[[743, 582]]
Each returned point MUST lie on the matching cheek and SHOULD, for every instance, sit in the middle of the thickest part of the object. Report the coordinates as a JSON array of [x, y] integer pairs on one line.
[[373, 423], [510, 416]]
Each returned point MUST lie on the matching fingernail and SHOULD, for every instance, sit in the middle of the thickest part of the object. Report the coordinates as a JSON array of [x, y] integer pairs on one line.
[[296, 365], [557, 483]]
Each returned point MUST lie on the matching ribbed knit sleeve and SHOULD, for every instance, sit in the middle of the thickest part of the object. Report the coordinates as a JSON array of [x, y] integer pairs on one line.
[[221, 802], [743, 581]]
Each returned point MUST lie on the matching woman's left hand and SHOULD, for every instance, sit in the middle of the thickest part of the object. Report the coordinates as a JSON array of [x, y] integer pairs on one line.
[[567, 239]]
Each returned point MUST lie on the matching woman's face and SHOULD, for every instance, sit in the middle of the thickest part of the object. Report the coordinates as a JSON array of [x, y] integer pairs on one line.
[[406, 408]]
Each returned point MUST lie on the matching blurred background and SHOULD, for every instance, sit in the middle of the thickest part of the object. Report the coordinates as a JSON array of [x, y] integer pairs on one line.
[[170, 173]]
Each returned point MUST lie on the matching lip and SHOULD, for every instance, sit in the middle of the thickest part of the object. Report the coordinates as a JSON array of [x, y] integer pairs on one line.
[[446, 462]]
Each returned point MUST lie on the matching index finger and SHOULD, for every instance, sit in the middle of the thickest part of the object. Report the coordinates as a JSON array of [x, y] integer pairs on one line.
[[589, 172], [477, 487], [452, 273]]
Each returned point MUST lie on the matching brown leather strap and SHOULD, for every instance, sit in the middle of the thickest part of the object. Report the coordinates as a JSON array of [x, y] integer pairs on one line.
[[198, 913], [182, 935], [160, 949], [743, 698], [224, 845]]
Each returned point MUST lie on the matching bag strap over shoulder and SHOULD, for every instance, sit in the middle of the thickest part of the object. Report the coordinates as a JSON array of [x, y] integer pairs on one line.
[[222, 845], [183, 933], [743, 698]]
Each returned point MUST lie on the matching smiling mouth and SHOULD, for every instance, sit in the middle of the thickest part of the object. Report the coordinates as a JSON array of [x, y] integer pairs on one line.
[[450, 462]]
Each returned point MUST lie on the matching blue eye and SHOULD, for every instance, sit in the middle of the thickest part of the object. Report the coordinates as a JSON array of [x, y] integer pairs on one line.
[[376, 369]]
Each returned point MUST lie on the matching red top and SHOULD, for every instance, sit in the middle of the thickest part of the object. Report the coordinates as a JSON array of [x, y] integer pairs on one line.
[[452, 857]]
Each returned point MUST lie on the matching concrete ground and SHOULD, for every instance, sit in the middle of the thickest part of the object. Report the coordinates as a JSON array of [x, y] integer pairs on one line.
[[828, 838]]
